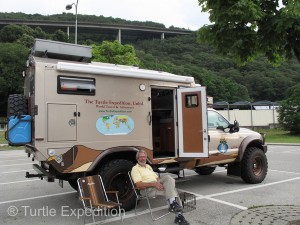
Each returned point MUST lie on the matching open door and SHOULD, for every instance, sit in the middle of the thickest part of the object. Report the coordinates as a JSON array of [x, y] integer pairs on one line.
[[192, 122]]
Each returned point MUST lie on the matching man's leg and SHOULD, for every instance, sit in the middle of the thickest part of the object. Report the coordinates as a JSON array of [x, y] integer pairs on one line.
[[170, 189], [171, 193]]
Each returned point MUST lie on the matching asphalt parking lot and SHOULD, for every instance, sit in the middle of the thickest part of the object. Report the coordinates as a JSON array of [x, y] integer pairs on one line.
[[219, 197]]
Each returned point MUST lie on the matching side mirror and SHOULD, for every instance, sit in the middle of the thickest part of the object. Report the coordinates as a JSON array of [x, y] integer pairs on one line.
[[235, 127]]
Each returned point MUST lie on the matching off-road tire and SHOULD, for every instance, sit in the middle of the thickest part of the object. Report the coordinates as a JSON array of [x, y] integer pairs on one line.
[[16, 104], [254, 165], [205, 170], [115, 178]]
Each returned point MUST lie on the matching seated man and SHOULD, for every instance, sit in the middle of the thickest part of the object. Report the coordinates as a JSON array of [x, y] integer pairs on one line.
[[144, 177]]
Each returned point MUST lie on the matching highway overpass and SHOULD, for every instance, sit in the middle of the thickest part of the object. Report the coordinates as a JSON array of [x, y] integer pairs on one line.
[[111, 30]]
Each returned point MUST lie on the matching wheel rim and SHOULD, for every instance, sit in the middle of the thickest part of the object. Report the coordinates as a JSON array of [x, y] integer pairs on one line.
[[257, 166], [120, 183]]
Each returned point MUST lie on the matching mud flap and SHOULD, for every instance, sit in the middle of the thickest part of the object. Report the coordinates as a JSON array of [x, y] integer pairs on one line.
[[234, 169]]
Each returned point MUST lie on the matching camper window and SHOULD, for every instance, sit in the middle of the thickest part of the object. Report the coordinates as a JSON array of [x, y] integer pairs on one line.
[[191, 101], [76, 85]]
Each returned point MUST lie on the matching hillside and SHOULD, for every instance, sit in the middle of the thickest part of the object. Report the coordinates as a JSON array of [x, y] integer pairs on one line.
[[225, 81]]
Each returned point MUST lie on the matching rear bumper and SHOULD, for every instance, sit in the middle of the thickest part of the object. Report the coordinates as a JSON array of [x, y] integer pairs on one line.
[[41, 173], [30, 149]]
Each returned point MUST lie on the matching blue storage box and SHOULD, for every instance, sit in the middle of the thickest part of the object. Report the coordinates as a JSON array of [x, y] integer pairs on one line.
[[19, 130]]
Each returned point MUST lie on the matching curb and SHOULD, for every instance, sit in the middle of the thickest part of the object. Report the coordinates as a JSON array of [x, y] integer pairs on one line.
[[285, 144]]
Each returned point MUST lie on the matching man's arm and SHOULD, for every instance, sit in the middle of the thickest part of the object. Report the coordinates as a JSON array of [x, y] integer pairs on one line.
[[143, 185]]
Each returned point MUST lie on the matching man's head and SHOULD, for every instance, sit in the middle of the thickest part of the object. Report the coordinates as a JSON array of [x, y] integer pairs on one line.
[[141, 157]]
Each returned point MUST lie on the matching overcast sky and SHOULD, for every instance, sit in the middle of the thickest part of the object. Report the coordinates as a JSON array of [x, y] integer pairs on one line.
[[179, 13]]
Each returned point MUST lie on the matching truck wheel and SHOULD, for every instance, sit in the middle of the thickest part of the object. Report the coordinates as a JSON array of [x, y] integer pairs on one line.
[[254, 166], [16, 104], [73, 184], [115, 178], [205, 170]]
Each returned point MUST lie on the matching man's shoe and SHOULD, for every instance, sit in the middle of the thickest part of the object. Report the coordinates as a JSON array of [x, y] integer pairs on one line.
[[175, 207], [181, 220]]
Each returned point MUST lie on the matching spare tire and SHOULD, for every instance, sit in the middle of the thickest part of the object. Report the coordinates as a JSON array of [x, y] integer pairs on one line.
[[205, 170], [16, 104]]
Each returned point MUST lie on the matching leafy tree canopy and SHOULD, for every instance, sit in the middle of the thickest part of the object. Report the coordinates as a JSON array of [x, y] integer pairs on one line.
[[245, 29], [12, 62], [22, 34], [114, 52], [289, 112]]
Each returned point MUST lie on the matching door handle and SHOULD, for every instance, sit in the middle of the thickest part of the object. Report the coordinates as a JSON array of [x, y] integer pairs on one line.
[[150, 118]]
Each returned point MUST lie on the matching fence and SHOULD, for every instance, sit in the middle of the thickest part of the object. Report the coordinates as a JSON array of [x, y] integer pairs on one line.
[[252, 118]]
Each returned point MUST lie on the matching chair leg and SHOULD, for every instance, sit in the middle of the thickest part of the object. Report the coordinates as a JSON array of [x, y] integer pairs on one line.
[[93, 217], [154, 219], [84, 217], [120, 214], [136, 201]]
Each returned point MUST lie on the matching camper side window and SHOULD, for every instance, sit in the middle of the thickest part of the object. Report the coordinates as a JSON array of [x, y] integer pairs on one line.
[[191, 101], [76, 85]]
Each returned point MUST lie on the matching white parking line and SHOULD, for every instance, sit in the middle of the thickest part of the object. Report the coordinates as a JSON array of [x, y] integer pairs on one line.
[[20, 181], [13, 156], [208, 197], [17, 171], [6, 160], [198, 197], [37, 197], [16, 164], [227, 203], [252, 187], [284, 172]]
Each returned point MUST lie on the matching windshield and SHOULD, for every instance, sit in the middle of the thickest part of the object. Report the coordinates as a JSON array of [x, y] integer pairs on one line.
[[216, 120]]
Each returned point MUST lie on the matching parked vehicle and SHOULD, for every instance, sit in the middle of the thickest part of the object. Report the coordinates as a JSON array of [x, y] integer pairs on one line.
[[92, 118]]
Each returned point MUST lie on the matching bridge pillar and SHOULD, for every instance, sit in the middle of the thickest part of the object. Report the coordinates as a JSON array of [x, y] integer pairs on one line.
[[162, 37], [68, 32], [119, 36]]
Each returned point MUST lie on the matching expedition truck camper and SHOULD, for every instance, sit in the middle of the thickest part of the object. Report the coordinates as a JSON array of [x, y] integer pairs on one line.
[[78, 118]]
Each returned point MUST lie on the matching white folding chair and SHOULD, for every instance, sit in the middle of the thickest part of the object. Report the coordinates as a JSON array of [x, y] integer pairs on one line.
[[139, 197]]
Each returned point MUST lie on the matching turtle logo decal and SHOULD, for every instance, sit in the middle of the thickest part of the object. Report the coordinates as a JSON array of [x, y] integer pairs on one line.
[[223, 147]]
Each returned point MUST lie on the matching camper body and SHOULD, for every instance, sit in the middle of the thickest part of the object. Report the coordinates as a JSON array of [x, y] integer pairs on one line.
[[92, 118]]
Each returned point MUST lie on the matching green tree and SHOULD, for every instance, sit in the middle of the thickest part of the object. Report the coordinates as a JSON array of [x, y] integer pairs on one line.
[[115, 52], [12, 63], [26, 40], [12, 33], [39, 33], [245, 29], [289, 111], [59, 35]]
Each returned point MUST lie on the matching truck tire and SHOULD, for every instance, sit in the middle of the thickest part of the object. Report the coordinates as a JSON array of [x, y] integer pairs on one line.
[[205, 170], [16, 104], [254, 166], [115, 178]]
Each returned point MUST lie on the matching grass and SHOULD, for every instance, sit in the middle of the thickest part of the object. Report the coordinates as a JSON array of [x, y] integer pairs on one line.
[[7, 147], [2, 139], [280, 136]]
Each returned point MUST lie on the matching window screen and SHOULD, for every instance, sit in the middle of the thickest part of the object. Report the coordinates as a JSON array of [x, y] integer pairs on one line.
[[76, 85], [191, 101]]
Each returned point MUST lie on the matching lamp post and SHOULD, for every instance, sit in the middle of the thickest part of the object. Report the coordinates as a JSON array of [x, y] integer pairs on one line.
[[68, 7]]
